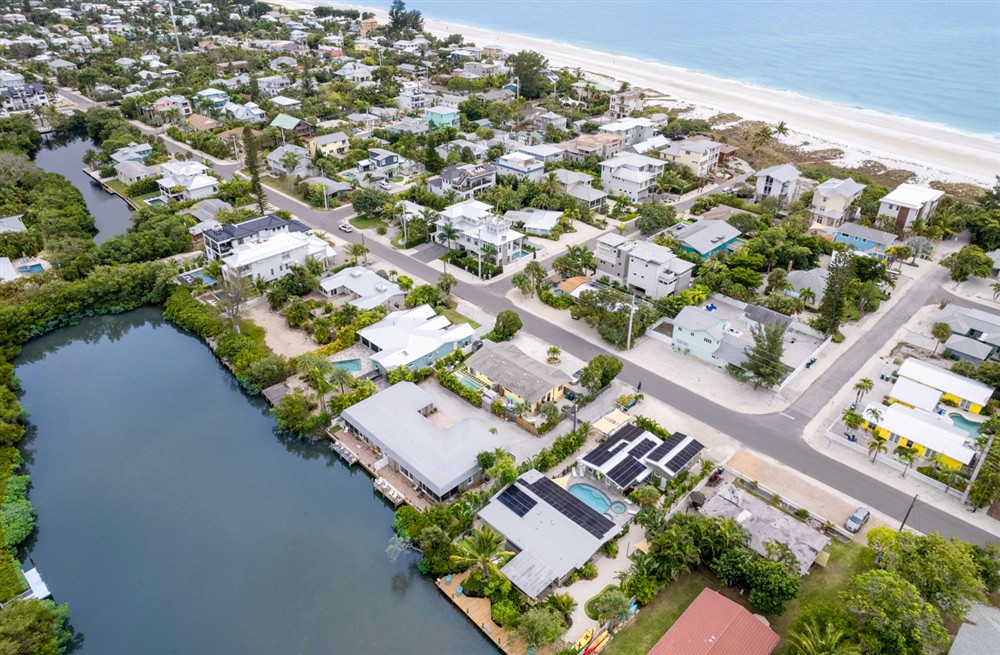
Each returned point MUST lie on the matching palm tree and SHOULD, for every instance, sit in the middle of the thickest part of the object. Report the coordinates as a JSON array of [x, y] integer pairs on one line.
[[583, 257], [564, 604], [863, 386], [482, 548], [807, 295], [814, 639], [89, 157], [317, 372], [490, 252], [906, 456], [852, 419], [341, 377], [553, 352], [450, 233], [550, 185], [356, 250], [762, 136], [446, 281], [876, 446], [941, 331], [874, 415], [996, 290], [666, 181], [781, 129]]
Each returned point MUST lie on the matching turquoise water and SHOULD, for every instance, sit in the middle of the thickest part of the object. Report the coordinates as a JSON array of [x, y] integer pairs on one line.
[[969, 426], [925, 60], [155, 202], [596, 498], [352, 365], [31, 270], [470, 383]]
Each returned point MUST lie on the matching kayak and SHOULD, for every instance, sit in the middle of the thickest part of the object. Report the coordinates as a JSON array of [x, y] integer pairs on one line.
[[599, 641], [585, 639]]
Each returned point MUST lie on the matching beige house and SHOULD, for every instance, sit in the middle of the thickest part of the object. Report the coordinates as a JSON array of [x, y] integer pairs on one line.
[[700, 156], [335, 144], [602, 146], [831, 203]]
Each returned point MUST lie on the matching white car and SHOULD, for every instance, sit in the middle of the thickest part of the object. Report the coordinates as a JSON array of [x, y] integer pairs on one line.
[[385, 185], [345, 227]]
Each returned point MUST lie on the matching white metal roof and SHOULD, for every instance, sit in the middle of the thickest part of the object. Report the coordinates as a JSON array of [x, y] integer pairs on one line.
[[405, 336], [371, 289], [946, 381], [915, 394], [926, 429], [912, 195]]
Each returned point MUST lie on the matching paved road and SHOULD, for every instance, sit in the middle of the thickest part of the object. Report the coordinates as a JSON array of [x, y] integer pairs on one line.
[[776, 435]]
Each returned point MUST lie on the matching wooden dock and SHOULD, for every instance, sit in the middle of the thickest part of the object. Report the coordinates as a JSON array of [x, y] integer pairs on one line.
[[389, 482], [478, 610]]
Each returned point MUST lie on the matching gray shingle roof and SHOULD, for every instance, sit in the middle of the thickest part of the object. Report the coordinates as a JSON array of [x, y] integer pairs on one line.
[[508, 366]]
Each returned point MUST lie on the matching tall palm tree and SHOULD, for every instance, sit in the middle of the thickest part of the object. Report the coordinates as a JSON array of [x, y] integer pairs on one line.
[[481, 547], [807, 295], [450, 233], [666, 181], [490, 252], [341, 377], [816, 639], [863, 386], [550, 185], [356, 250], [852, 419], [876, 446], [316, 371], [781, 129]]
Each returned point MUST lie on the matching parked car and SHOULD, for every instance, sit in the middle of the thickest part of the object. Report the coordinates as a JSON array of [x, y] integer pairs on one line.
[[384, 185], [346, 227], [856, 520], [575, 378]]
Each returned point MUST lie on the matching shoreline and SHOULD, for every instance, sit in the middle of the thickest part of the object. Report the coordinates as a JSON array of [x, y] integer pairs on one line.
[[930, 150]]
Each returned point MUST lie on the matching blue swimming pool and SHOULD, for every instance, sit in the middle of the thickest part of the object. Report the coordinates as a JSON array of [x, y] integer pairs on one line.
[[352, 365], [969, 426], [596, 498], [514, 256], [31, 270], [470, 383], [155, 202]]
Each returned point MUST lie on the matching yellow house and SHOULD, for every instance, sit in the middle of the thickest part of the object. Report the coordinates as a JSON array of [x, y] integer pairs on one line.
[[971, 395], [925, 432], [335, 144], [522, 379]]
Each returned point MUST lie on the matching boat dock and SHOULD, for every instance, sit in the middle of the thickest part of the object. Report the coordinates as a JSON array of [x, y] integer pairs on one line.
[[389, 482], [478, 610]]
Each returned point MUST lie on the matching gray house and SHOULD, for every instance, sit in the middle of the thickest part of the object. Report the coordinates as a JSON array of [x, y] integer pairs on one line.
[[440, 461]]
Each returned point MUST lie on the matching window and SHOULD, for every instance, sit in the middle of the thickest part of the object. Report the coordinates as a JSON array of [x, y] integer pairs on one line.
[[707, 340], [965, 404]]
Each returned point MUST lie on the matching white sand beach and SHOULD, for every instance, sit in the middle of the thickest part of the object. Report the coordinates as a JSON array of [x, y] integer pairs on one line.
[[931, 151]]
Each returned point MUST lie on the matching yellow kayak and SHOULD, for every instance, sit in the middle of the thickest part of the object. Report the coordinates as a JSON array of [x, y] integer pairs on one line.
[[598, 643], [585, 639]]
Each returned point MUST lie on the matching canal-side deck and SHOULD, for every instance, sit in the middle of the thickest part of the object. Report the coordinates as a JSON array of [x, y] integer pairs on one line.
[[479, 612], [390, 483]]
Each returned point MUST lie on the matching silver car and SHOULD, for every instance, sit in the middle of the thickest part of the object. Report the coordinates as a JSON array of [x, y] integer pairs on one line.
[[857, 519]]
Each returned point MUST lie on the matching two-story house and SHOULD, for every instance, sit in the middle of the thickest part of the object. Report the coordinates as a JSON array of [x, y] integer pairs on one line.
[[622, 105], [631, 175], [631, 130], [273, 257], [580, 186], [522, 166], [475, 226], [250, 112], [177, 103], [699, 156], [441, 116], [335, 145], [908, 203], [211, 98], [781, 182], [412, 96], [290, 160], [598, 146], [865, 240], [381, 163], [219, 242], [832, 201], [186, 180], [272, 85], [464, 180]]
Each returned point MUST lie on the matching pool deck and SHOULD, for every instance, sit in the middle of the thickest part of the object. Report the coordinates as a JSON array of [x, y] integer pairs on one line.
[[479, 612], [355, 352]]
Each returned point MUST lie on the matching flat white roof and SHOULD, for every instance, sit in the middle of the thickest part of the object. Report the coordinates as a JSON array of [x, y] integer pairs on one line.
[[927, 429], [912, 195]]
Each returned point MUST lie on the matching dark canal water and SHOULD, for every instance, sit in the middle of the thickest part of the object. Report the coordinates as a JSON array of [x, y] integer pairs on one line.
[[64, 155], [173, 520]]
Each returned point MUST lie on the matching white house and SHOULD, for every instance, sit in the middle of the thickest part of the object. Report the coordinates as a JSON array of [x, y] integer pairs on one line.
[[631, 175], [276, 160], [632, 130], [364, 289], [580, 186], [477, 226], [522, 166], [908, 203], [465, 180], [250, 112], [831, 203], [186, 180], [413, 338], [700, 156], [272, 258], [781, 182]]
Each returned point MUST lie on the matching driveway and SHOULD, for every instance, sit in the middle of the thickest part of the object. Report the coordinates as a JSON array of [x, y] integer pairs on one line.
[[428, 252]]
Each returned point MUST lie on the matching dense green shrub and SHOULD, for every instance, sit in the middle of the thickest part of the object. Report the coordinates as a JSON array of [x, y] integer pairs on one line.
[[142, 187], [558, 301], [651, 426], [192, 315], [16, 512]]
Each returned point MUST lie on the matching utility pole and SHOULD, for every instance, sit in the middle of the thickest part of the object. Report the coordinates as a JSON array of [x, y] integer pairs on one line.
[[979, 466], [631, 315], [177, 36], [480, 249], [912, 503]]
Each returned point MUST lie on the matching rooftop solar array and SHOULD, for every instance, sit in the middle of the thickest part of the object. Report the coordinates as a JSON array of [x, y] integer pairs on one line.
[[668, 444], [642, 448], [680, 460], [626, 471], [517, 500], [571, 507], [605, 451]]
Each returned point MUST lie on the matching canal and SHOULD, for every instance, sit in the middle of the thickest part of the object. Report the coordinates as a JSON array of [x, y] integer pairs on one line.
[[64, 155], [172, 519]]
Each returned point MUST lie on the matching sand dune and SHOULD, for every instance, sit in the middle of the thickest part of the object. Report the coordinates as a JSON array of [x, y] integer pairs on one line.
[[932, 151]]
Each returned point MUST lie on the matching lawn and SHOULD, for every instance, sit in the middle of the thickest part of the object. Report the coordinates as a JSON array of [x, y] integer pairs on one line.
[[454, 316], [367, 222], [657, 617], [117, 185]]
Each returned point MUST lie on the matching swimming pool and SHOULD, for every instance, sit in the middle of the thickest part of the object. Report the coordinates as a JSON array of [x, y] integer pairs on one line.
[[352, 365], [514, 256], [470, 383], [596, 498], [155, 202], [969, 426], [31, 270]]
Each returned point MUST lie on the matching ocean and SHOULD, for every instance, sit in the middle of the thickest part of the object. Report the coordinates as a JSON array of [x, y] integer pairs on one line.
[[933, 61]]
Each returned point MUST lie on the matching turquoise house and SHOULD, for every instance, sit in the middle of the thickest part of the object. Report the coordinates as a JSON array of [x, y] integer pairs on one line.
[[441, 116]]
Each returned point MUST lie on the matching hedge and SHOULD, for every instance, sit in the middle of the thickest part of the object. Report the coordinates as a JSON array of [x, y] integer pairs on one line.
[[554, 300]]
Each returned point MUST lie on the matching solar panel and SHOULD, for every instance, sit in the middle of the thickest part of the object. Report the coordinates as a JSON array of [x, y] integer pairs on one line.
[[516, 500], [605, 451], [626, 471], [680, 460], [642, 448], [571, 507], [629, 431], [668, 444]]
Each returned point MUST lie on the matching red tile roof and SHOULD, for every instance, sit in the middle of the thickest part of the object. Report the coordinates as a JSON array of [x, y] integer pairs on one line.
[[715, 625]]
